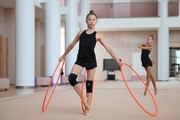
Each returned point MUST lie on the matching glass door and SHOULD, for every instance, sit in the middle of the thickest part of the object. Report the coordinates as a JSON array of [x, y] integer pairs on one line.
[[174, 62]]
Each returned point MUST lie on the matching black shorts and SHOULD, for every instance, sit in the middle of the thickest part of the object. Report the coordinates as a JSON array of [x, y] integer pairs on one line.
[[88, 64], [146, 64]]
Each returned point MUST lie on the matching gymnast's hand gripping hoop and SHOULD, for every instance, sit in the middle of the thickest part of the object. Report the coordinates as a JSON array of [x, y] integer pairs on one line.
[[44, 106]]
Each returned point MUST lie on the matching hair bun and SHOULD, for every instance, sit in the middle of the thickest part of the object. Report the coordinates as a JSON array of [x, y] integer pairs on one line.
[[91, 11]]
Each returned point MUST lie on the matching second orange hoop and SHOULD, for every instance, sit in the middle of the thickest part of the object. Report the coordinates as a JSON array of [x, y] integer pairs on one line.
[[82, 92], [132, 93], [45, 105]]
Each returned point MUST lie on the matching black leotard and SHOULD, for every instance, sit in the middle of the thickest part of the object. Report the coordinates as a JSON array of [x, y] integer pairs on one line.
[[86, 56], [86, 45], [146, 61]]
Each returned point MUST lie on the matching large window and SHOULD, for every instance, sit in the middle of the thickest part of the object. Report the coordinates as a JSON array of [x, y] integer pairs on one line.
[[174, 60]]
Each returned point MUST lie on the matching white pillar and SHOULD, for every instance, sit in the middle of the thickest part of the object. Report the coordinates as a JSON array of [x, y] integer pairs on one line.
[[84, 10], [163, 43], [38, 48], [24, 19], [52, 35], [71, 30]]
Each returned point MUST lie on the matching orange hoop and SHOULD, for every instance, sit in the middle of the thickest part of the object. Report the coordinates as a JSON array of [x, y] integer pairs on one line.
[[82, 93], [132, 93], [43, 105]]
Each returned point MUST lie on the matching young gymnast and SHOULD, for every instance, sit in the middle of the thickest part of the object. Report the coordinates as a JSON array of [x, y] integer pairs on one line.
[[86, 58], [147, 63]]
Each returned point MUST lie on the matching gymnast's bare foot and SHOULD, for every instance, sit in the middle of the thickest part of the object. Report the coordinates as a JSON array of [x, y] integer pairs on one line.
[[87, 112], [155, 91], [87, 107], [145, 93], [86, 104]]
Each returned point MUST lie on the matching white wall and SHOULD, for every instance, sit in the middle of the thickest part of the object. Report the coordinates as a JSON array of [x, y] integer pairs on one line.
[[129, 24], [174, 36], [173, 22], [124, 44], [136, 23]]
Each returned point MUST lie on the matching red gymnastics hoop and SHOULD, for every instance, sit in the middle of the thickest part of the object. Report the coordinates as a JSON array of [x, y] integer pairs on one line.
[[82, 93], [132, 93], [43, 105]]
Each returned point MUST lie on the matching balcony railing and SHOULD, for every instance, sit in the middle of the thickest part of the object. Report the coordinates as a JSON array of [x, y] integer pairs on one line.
[[132, 10]]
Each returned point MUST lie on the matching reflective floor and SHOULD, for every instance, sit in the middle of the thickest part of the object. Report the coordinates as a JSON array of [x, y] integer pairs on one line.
[[13, 91], [111, 101]]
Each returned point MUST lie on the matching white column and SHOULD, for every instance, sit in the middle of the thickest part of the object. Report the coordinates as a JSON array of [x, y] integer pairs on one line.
[[84, 10], [24, 19], [163, 43], [52, 35], [37, 47], [71, 30]]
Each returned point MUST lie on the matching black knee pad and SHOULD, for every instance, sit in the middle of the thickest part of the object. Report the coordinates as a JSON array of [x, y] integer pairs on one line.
[[89, 86], [72, 79]]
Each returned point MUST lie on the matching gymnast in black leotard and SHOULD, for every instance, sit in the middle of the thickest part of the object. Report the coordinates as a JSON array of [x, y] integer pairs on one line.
[[86, 58], [147, 63]]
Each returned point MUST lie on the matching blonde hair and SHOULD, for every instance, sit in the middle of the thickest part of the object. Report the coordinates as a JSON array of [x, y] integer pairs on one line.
[[151, 36]]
